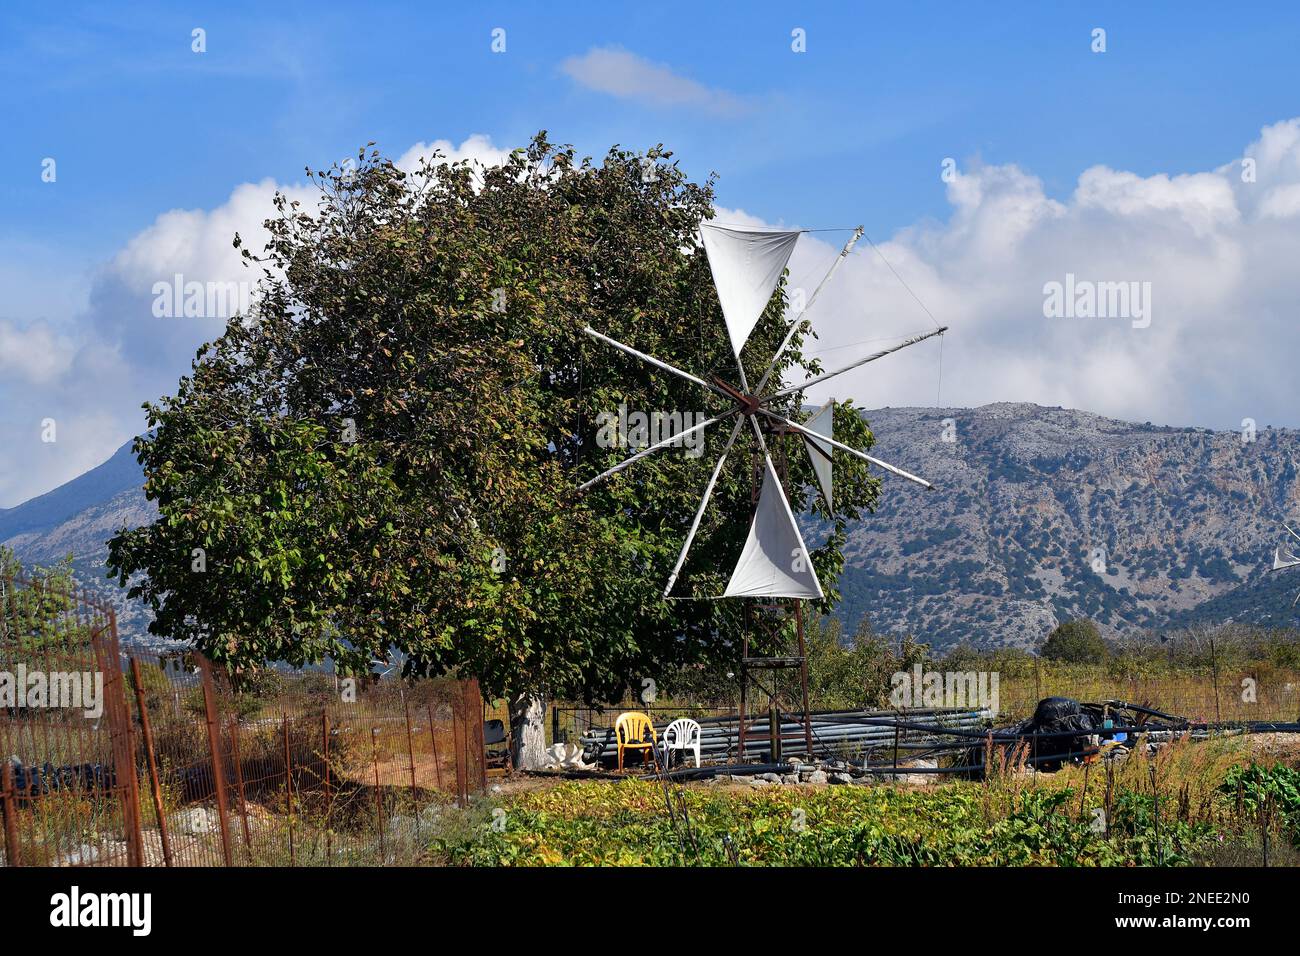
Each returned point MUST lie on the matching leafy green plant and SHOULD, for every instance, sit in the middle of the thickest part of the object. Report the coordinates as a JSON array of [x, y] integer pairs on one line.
[[1272, 790], [624, 824]]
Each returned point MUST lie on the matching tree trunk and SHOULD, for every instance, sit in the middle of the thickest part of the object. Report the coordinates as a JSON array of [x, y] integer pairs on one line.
[[527, 732]]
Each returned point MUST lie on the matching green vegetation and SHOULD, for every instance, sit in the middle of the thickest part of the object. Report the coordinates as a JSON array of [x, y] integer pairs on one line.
[[1273, 793], [1077, 641], [42, 616], [957, 824]]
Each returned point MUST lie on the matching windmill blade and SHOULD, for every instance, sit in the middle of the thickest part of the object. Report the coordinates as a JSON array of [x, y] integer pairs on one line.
[[654, 361], [820, 453], [746, 264], [658, 446], [1283, 560], [799, 319], [893, 470], [860, 362], [775, 562], [704, 503]]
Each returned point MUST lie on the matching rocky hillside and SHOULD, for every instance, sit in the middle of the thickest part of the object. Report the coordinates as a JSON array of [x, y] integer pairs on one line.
[[76, 519], [1047, 513], [1039, 514]]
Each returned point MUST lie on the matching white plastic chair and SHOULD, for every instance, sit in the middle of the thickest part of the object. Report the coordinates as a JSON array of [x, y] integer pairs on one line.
[[682, 734]]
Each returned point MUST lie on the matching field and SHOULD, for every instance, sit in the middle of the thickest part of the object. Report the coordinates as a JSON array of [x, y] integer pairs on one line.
[[1232, 801]]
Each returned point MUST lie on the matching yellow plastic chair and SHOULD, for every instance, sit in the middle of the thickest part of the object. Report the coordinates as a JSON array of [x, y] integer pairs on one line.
[[630, 733]]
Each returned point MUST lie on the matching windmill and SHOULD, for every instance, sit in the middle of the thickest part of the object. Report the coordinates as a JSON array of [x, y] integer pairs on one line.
[[1283, 559], [746, 265]]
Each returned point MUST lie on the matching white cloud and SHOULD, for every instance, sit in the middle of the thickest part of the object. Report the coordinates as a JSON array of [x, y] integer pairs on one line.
[[91, 373], [36, 354], [627, 76], [1219, 254], [476, 148]]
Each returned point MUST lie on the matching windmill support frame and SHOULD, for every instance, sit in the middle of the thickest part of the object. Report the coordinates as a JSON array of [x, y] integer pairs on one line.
[[771, 621]]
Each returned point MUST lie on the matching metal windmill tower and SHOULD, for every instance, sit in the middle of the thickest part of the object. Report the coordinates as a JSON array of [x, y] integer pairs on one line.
[[774, 564]]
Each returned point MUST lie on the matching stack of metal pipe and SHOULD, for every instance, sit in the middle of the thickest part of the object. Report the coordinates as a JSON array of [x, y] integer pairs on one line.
[[834, 734]]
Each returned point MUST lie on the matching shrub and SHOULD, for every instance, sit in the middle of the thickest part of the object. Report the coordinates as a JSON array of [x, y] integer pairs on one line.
[[1077, 641]]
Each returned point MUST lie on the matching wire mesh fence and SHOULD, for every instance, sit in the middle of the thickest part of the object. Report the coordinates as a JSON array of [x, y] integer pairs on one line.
[[1204, 694], [73, 798], [144, 759]]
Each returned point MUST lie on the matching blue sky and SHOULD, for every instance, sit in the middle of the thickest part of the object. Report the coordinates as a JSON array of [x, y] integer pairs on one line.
[[853, 130], [139, 123]]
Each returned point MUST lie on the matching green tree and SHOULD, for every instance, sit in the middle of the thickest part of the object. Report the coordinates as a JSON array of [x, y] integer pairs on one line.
[[386, 453], [858, 671], [1076, 641], [38, 606]]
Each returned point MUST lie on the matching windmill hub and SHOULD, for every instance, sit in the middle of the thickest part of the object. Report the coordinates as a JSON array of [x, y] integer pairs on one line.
[[748, 404]]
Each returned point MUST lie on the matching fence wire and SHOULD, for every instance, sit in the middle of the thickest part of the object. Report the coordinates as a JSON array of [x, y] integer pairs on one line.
[[159, 760]]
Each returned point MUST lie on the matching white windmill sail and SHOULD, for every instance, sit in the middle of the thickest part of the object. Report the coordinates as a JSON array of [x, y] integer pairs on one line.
[[746, 264], [775, 562], [1284, 559], [820, 452]]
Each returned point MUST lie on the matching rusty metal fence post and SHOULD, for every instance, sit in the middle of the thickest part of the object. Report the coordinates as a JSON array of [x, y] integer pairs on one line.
[[103, 641], [475, 698], [239, 784], [410, 751], [288, 787], [433, 739], [379, 794], [329, 803], [154, 783], [214, 746], [12, 855], [458, 735]]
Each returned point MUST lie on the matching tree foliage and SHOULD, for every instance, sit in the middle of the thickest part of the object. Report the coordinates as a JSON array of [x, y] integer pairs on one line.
[[39, 610], [386, 453], [1077, 641]]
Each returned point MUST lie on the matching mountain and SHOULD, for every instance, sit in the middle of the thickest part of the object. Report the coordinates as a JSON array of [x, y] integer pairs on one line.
[[29, 524], [1042, 514], [77, 519], [1039, 514]]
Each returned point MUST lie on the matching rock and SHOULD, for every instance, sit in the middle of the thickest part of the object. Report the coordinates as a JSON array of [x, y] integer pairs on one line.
[[760, 782], [922, 762], [84, 855], [840, 778], [565, 757], [770, 777], [198, 820], [791, 779], [817, 776]]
